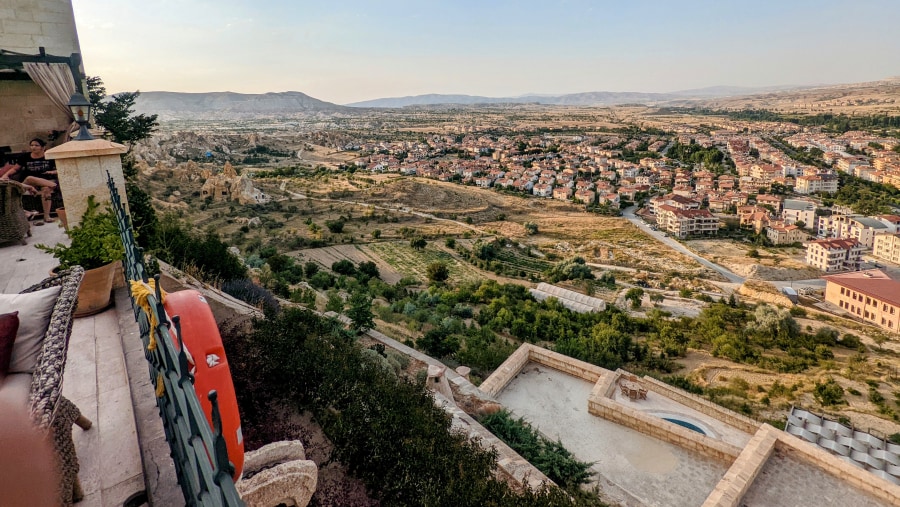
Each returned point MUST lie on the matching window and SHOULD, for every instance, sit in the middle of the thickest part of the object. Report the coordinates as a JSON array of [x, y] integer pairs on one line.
[[842, 291]]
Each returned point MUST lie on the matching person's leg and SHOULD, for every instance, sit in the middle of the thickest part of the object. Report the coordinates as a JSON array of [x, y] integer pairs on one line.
[[47, 187]]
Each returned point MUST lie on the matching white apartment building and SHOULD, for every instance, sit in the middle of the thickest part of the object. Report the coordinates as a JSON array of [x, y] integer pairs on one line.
[[887, 247], [684, 223], [798, 210], [861, 228], [816, 183], [833, 255]]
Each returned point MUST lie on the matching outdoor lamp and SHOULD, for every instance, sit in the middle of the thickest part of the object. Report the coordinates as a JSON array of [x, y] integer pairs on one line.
[[81, 110]]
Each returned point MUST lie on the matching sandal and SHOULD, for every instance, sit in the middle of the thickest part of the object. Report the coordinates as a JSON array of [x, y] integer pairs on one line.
[[39, 223]]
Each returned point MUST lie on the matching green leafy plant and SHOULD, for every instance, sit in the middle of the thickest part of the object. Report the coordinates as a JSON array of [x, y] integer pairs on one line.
[[95, 241]]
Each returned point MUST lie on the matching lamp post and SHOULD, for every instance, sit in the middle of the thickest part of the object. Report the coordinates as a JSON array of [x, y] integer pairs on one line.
[[81, 110]]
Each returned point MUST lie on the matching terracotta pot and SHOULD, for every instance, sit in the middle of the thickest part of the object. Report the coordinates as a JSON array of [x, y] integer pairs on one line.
[[96, 287], [63, 220]]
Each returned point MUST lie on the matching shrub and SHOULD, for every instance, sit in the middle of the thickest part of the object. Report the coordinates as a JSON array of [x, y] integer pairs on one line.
[[828, 393], [176, 244], [335, 226], [343, 267], [548, 456], [438, 271], [247, 291]]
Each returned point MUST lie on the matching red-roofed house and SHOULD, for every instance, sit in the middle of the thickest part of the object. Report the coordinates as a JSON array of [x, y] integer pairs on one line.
[[870, 295], [832, 255], [684, 223]]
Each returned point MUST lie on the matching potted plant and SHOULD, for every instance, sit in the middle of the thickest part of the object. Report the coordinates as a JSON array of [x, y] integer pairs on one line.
[[96, 246]]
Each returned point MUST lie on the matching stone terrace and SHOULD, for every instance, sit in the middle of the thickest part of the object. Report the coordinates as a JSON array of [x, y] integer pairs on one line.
[[95, 380]]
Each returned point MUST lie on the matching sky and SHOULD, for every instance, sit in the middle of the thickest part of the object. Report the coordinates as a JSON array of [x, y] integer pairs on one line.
[[354, 50]]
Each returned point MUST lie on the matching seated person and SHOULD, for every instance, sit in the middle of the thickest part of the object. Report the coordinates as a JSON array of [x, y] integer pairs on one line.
[[7, 163], [33, 170]]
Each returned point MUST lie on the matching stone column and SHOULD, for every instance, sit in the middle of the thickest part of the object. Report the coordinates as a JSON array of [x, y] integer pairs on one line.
[[82, 167]]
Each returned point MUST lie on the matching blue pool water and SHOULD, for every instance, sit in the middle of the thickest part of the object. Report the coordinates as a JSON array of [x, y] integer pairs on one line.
[[686, 424]]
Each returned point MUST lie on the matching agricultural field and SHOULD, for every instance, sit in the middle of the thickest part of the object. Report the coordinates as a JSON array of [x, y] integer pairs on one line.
[[328, 255], [409, 262]]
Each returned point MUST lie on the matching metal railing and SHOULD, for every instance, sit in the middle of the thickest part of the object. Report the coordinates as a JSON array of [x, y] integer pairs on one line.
[[199, 452]]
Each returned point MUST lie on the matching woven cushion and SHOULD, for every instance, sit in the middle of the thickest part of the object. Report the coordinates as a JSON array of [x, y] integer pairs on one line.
[[34, 310], [9, 326]]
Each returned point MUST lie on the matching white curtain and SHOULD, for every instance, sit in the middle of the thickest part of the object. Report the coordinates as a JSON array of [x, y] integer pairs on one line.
[[57, 82]]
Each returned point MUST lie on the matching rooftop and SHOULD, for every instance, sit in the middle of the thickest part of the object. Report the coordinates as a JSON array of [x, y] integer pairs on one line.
[[871, 282]]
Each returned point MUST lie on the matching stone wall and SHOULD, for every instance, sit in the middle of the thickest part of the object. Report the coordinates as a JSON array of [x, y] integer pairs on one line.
[[666, 431], [26, 26], [514, 465], [740, 476], [702, 405], [25, 113], [528, 352]]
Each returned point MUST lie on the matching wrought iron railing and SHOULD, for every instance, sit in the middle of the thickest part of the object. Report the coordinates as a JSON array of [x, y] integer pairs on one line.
[[199, 452]]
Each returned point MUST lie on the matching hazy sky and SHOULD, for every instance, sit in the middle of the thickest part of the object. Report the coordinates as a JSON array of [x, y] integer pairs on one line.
[[346, 51]]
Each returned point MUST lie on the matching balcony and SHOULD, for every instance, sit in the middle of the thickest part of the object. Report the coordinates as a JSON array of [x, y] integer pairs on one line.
[[104, 352]]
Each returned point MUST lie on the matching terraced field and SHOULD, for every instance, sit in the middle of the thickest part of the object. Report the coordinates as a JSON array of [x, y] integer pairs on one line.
[[401, 257]]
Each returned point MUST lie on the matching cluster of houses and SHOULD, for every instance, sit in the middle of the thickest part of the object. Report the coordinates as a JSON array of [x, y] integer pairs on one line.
[[590, 170], [879, 164]]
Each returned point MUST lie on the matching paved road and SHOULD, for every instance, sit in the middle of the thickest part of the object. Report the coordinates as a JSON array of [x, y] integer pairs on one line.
[[671, 243]]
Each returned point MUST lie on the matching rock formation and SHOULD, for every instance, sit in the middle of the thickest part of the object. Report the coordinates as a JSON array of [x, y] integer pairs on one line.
[[228, 186]]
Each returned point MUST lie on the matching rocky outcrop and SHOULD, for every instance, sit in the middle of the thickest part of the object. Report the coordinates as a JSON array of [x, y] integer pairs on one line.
[[228, 186], [765, 292]]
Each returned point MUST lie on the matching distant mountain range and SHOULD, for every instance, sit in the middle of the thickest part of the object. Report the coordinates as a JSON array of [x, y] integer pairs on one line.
[[228, 104], [570, 99]]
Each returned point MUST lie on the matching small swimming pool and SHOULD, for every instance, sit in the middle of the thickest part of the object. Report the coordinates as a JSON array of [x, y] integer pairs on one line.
[[692, 427]]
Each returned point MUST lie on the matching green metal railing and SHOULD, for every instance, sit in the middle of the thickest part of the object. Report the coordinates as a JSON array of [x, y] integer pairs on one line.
[[199, 452]]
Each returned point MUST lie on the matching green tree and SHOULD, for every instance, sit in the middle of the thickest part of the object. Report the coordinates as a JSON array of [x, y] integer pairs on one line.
[[368, 269], [531, 228], [438, 271], [335, 303], [116, 115], [635, 295], [418, 243], [335, 226], [828, 393], [359, 311], [310, 269]]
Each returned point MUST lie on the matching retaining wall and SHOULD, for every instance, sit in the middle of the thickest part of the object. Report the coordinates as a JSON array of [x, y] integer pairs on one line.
[[531, 353], [666, 431], [740, 476], [741, 422]]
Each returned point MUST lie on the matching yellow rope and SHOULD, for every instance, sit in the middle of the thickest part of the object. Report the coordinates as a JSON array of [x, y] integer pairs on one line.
[[141, 292]]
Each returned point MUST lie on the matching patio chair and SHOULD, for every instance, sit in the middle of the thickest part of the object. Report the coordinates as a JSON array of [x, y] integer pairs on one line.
[[13, 222], [50, 411]]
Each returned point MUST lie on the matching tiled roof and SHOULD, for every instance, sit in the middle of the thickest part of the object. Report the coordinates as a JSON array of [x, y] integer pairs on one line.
[[872, 282]]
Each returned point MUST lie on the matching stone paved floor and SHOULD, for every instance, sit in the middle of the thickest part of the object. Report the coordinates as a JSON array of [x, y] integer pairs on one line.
[[787, 481], [95, 380], [633, 469]]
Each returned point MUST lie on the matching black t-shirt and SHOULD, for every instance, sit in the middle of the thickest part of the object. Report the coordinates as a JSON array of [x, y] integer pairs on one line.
[[36, 167]]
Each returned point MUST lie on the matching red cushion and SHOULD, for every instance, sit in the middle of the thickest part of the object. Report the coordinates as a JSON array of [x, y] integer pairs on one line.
[[9, 326]]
